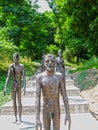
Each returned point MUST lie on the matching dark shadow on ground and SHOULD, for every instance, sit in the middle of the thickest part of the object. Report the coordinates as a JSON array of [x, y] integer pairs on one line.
[[30, 127]]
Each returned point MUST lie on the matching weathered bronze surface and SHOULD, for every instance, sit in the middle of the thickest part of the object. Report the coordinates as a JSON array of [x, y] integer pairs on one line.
[[17, 71], [60, 63], [50, 84]]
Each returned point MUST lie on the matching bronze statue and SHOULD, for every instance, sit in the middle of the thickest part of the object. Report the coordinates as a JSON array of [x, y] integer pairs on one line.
[[17, 71], [60, 63], [51, 83]]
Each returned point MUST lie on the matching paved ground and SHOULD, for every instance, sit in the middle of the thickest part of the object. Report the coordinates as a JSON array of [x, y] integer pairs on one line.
[[84, 121]]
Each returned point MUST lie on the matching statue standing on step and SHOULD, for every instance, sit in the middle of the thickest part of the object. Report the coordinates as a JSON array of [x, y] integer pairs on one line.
[[59, 66], [51, 83], [17, 71]]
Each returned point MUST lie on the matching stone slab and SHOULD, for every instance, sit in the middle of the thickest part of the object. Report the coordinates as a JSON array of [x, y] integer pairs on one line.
[[76, 103], [32, 83], [71, 91]]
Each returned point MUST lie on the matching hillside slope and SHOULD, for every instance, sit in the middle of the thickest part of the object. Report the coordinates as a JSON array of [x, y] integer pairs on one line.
[[89, 91]]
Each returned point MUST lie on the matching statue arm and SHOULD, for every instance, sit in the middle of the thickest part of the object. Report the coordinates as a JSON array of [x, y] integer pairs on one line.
[[24, 78], [65, 97], [7, 79], [37, 101], [63, 66], [66, 102]]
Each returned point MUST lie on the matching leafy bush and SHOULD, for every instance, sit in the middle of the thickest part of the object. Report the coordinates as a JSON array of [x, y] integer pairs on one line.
[[6, 51], [7, 97], [91, 63], [52, 49], [87, 79], [30, 67]]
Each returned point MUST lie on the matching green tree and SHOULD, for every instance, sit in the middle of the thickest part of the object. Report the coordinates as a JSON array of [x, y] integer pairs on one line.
[[59, 37], [83, 15], [78, 20], [28, 29], [6, 50]]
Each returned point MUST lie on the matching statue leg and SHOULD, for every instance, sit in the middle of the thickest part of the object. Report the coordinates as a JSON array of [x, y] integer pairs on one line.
[[14, 103], [56, 119], [19, 102], [46, 119]]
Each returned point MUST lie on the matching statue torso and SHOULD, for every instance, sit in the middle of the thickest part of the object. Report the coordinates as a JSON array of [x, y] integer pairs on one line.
[[16, 71], [50, 86]]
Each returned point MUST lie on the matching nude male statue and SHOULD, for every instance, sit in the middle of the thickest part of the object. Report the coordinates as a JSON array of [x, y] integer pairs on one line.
[[17, 71], [51, 83], [60, 63]]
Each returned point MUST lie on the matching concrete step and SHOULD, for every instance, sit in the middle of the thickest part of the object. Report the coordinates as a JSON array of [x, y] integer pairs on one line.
[[76, 103], [32, 83], [67, 76], [69, 82], [30, 92], [71, 91]]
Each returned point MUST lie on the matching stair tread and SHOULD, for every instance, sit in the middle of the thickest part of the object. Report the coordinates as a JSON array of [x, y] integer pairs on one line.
[[76, 103], [31, 101], [67, 88]]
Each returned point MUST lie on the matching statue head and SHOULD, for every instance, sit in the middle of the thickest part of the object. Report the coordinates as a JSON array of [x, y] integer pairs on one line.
[[49, 62], [60, 52], [15, 57]]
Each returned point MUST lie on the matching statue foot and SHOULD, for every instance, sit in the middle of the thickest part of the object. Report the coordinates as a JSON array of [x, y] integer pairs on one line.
[[14, 122], [19, 122]]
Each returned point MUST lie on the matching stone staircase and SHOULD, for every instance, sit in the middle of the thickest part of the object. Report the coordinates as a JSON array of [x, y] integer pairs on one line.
[[76, 103]]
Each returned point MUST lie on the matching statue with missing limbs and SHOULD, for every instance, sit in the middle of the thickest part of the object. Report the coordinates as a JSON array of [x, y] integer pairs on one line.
[[51, 83], [59, 66], [17, 71]]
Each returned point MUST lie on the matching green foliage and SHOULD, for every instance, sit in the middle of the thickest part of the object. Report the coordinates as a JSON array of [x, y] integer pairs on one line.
[[86, 75], [81, 78], [6, 51], [52, 49], [4, 99], [91, 63], [70, 24], [28, 29], [7, 97], [69, 55], [76, 23], [59, 35], [30, 67], [85, 79], [82, 19]]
